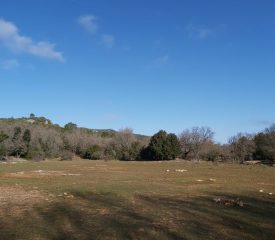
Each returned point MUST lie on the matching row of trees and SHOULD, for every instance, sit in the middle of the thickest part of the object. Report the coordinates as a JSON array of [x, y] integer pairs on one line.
[[198, 144], [260, 146], [37, 138]]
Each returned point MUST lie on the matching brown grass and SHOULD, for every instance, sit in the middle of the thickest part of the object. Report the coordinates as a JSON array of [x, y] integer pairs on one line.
[[136, 200]]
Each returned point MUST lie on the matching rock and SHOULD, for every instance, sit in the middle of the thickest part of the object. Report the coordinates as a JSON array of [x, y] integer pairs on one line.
[[241, 204], [252, 162], [181, 170], [217, 200], [229, 202]]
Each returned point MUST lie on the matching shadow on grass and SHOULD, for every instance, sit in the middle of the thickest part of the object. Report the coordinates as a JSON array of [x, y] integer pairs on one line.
[[108, 216], [203, 218]]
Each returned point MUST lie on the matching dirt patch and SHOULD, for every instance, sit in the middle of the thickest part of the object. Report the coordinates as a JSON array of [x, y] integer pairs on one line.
[[38, 173], [17, 197], [103, 211]]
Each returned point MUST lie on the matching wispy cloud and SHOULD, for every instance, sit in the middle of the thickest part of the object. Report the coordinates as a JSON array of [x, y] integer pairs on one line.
[[198, 32], [9, 64], [162, 60], [158, 62], [12, 40], [108, 40], [88, 23]]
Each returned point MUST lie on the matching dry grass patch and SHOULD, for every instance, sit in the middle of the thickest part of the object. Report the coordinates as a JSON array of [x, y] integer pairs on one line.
[[38, 174], [14, 201], [136, 200]]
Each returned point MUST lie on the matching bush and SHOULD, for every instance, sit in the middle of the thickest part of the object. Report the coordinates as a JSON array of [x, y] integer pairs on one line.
[[66, 155], [162, 146], [265, 146], [36, 155], [93, 152]]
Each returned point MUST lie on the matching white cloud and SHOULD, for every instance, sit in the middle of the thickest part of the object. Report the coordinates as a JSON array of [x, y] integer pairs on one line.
[[88, 23], [11, 39], [9, 64], [108, 40], [198, 32]]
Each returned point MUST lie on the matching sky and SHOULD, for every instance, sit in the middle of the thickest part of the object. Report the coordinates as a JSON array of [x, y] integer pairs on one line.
[[143, 64]]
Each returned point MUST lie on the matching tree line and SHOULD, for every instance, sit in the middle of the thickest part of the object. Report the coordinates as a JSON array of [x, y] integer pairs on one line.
[[37, 138]]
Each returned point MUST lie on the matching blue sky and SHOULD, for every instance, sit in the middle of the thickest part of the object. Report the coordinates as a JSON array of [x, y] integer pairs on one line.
[[147, 64]]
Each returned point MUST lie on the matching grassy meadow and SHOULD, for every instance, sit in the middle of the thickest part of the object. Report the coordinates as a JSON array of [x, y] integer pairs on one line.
[[136, 200]]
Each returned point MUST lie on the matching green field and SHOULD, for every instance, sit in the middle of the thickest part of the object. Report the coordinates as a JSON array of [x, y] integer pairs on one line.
[[136, 200]]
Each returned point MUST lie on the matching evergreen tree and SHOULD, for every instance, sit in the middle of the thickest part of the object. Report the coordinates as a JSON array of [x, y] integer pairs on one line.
[[18, 145], [162, 146], [3, 150], [27, 140], [173, 146]]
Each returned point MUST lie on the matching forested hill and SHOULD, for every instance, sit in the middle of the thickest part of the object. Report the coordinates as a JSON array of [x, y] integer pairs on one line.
[[39, 138], [44, 122]]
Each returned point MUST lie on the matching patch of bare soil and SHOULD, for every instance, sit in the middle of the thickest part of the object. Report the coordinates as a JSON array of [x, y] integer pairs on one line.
[[17, 199], [38, 173], [103, 211]]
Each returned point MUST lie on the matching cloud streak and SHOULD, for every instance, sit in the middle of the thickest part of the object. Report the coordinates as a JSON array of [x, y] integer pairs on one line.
[[9, 64], [159, 62], [88, 23], [198, 32], [108, 40], [12, 40]]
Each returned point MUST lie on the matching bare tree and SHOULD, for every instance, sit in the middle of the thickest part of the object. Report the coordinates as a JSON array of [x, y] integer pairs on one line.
[[270, 129], [192, 141], [126, 145], [242, 147]]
